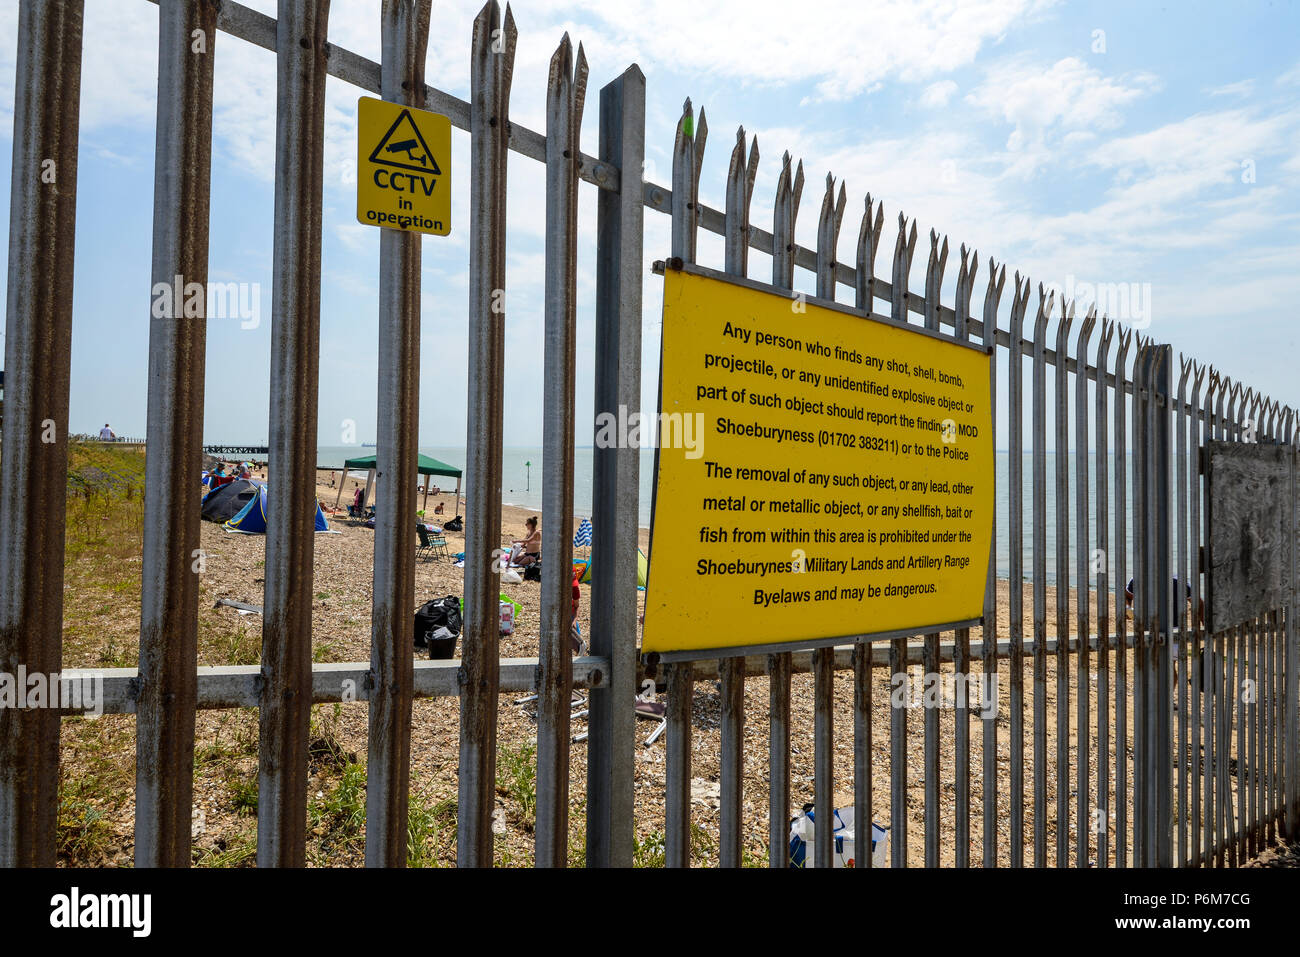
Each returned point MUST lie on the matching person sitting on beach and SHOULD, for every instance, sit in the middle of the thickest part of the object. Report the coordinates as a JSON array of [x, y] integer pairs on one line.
[[576, 645], [529, 550], [1129, 597], [437, 509], [219, 469]]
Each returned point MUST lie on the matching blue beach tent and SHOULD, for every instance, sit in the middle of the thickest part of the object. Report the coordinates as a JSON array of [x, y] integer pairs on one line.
[[251, 520], [224, 503]]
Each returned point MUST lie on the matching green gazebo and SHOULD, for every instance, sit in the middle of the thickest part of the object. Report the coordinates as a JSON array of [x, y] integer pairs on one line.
[[425, 466]]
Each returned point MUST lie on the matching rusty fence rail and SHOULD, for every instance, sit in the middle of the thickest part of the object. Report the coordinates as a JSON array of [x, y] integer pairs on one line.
[[1188, 772]]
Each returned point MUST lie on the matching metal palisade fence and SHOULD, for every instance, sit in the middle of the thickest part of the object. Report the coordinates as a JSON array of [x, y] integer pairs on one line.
[[1170, 764]]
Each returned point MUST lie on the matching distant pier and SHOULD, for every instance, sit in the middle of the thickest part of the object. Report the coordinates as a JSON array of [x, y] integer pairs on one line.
[[236, 449]]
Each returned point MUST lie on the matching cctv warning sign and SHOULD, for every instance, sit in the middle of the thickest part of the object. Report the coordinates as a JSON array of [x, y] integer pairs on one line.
[[403, 167]]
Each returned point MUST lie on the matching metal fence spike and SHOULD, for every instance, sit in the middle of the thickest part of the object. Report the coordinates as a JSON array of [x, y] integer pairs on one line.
[[1107, 334], [1103, 349], [1019, 306], [737, 157], [934, 280], [784, 215], [1085, 332], [740, 190], [828, 232], [751, 169], [1046, 299], [868, 244], [903, 250], [561, 69], [580, 72], [688, 155], [510, 34], [970, 264], [701, 139]]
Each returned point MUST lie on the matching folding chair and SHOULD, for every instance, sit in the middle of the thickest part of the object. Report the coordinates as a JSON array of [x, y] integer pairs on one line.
[[438, 545], [425, 545]]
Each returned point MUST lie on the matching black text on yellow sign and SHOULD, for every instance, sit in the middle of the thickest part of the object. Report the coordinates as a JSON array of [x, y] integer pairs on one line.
[[840, 481], [403, 167]]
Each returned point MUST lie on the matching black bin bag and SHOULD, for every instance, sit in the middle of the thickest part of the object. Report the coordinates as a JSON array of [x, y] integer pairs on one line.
[[437, 625]]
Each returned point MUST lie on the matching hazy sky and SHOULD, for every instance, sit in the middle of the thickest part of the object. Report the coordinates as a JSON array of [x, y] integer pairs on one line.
[[1137, 143]]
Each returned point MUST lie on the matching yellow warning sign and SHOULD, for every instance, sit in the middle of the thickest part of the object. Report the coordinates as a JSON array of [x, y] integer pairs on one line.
[[403, 167], [820, 475]]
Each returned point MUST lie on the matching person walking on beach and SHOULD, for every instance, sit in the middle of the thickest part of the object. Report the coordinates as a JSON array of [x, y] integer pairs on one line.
[[1130, 597]]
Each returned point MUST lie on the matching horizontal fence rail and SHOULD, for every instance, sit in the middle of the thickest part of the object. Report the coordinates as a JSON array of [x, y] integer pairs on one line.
[[1124, 700], [240, 686]]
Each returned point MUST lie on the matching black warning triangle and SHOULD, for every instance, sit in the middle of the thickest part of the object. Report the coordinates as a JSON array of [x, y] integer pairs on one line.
[[403, 146]]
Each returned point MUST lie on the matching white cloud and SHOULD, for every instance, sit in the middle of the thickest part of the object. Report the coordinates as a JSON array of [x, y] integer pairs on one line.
[[845, 50], [356, 236], [1202, 150], [1044, 105], [1069, 94], [116, 88], [1240, 88], [938, 94]]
